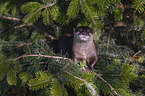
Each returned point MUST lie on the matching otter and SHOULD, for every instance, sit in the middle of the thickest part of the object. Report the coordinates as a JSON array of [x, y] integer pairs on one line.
[[84, 48]]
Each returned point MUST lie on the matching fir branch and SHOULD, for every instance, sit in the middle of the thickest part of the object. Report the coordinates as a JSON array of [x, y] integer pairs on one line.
[[140, 7], [19, 26], [73, 9], [36, 12], [107, 84], [10, 18], [91, 88], [46, 16], [89, 85], [24, 76], [76, 77], [39, 83], [62, 69], [3, 70], [90, 12], [35, 55], [117, 51], [137, 53], [16, 27], [52, 37], [57, 89], [11, 76], [108, 40], [33, 16], [25, 44]]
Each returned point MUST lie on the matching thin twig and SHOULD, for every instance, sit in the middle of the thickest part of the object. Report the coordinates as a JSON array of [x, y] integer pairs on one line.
[[19, 26], [24, 44], [76, 77], [10, 18], [30, 85], [108, 40], [35, 55], [117, 51], [137, 53], [108, 84], [62, 68]]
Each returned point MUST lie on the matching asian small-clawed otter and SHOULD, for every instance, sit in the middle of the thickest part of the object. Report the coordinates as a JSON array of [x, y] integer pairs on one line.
[[84, 48]]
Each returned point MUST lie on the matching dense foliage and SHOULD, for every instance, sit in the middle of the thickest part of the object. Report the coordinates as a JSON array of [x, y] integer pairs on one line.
[[30, 65]]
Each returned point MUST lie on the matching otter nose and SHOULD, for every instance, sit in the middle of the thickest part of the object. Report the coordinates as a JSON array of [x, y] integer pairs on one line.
[[84, 33]]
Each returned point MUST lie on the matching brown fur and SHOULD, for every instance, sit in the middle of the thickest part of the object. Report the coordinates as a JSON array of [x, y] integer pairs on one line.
[[86, 51]]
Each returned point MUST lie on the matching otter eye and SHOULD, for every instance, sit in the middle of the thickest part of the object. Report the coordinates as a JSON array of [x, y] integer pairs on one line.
[[90, 33], [80, 29], [85, 33], [77, 32]]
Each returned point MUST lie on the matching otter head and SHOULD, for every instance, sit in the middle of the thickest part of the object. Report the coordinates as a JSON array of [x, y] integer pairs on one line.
[[83, 34]]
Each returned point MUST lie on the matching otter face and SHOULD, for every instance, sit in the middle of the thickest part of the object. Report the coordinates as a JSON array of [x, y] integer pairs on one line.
[[83, 33]]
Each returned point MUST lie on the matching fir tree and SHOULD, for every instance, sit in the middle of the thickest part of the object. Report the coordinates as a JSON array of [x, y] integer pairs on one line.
[[29, 66]]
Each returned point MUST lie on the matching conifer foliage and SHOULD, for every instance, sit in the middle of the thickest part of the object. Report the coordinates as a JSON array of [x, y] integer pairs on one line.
[[31, 66]]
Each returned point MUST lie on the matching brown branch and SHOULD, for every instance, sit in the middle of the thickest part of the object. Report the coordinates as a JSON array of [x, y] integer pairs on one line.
[[62, 68], [107, 84], [19, 26], [142, 69], [137, 53], [10, 18], [35, 55], [76, 77], [108, 40], [30, 85], [24, 44], [118, 51]]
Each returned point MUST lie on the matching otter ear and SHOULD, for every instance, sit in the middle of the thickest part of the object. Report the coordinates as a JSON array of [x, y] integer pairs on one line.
[[90, 30], [74, 29], [93, 31]]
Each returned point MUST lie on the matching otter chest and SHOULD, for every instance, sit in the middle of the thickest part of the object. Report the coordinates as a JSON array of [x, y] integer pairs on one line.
[[84, 52]]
